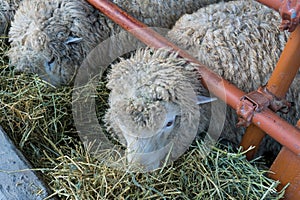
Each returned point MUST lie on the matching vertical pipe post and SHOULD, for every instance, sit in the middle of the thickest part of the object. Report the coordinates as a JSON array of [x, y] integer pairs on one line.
[[278, 84], [286, 168]]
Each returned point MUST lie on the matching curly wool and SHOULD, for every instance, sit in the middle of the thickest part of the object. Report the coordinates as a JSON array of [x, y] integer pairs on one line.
[[238, 40], [7, 11], [140, 88], [41, 37], [52, 38]]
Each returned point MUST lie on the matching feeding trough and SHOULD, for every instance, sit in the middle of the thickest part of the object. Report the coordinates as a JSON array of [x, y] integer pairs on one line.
[[275, 127], [17, 180]]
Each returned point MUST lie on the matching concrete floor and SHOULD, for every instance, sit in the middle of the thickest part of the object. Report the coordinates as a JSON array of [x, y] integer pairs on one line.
[[17, 181]]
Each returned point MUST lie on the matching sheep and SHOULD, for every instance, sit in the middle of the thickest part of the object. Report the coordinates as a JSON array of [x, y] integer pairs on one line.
[[52, 37], [154, 93], [7, 10]]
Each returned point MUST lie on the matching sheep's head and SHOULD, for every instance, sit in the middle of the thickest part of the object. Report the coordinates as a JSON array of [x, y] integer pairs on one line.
[[153, 106], [51, 38]]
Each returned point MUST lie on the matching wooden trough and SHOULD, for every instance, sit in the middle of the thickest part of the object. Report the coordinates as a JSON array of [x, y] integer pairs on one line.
[[257, 104], [17, 181]]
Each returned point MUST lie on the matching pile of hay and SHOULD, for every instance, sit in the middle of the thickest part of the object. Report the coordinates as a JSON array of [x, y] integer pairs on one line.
[[38, 118]]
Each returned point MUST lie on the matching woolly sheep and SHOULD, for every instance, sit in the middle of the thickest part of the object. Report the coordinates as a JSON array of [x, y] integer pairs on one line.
[[52, 37], [7, 10], [149, 105]]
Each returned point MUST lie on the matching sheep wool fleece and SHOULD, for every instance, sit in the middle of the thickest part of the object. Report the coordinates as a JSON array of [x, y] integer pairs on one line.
[[241, 41], [7, 11], [52, 37], [238, 40]]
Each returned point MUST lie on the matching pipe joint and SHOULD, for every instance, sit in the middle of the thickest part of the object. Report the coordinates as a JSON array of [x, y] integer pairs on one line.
[[290, 13], [258, 101], [275, 103], [249, 104]]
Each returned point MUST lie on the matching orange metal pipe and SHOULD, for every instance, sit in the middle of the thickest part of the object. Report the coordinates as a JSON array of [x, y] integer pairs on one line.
[[274, 4], [279, 129], [286, 69], [287, 66], [289, 11], [286, 168], [153, 39], [252, 137]]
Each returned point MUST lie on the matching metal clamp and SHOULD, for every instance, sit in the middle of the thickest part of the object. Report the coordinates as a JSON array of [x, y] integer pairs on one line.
[[257, 101], [289, 11], [276, 104], [251, 103]]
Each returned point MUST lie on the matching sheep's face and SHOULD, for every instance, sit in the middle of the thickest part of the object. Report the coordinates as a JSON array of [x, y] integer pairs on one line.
[[51, 38], [35, 56], [148, 129], [153, 106], [54, 58]]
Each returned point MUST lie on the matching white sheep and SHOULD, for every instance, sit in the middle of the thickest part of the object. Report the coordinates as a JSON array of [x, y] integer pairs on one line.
[[151, 99], [7, 11], [52, 37]]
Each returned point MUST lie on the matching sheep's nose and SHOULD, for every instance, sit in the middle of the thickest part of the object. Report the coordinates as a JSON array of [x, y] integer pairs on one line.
[[143, 161], [149, 161]]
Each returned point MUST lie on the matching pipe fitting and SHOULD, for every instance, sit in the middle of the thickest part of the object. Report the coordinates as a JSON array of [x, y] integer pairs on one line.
[[257, 101], [249, 104], [289, 11]]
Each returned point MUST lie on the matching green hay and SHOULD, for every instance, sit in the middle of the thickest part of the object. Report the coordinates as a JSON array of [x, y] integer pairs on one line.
[[38, 118]]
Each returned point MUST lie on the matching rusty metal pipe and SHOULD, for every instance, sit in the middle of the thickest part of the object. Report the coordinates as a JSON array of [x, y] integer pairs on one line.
[[279, 129], [153, 39], [286, 69], [287, 66], [252, 137], [286, 168], [280, 132], [289, 11], [274, 4]]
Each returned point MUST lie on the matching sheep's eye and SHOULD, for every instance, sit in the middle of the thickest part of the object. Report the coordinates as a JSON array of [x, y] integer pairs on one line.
[[170, 123], [72, 40], [51, 61], [49, 64]]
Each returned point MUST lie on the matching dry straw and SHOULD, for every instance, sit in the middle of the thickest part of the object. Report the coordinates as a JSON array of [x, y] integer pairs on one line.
[[38, 118]]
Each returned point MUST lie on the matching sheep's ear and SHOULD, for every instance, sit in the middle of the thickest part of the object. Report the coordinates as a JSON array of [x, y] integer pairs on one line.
[[204, 99], [73, 40]]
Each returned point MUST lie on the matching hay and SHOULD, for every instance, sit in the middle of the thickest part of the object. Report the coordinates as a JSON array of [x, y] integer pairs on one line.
[[221, 175], [38, 118]]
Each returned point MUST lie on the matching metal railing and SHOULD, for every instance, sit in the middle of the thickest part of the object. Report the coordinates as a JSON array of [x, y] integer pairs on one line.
[[257, 104]]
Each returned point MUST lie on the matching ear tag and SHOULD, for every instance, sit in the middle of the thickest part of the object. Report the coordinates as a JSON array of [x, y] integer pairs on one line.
[[204, 99], [73, 40]]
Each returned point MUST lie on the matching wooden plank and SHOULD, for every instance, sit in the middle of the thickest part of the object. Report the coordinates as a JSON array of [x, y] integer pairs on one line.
[[17, 181]]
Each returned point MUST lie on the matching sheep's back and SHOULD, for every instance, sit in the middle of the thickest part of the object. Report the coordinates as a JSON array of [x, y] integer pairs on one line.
[[162, 13], [236, 39], [40, 31], [240, 41]]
